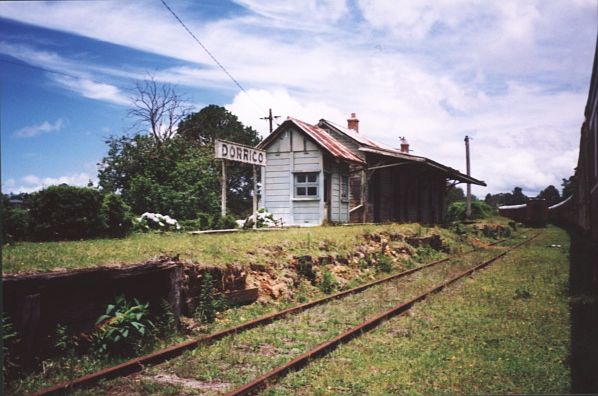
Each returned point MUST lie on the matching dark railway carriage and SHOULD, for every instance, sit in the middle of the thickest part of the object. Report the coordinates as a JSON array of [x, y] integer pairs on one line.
[[581, 209]]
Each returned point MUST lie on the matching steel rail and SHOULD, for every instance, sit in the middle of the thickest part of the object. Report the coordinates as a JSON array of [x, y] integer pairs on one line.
[[328, 346], [137, 364]]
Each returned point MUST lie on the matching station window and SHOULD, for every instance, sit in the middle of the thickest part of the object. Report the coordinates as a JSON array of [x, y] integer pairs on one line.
[[344, 188], [306, 185]]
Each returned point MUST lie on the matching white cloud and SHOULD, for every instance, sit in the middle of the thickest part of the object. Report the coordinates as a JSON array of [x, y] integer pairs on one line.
[[93, 90], [32, 183], [512, 74], [38, 129]]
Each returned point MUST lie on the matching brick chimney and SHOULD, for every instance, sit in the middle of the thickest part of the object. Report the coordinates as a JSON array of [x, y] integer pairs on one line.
[[404, 145], [353, 123]]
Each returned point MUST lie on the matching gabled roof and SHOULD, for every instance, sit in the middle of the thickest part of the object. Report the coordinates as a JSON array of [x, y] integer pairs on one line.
[[359, 139], [318, 135], [371, 146]]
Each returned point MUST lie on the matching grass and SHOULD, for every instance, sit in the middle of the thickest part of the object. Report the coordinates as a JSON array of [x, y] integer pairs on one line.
[[246, 247], [504, 331], [240, 358]]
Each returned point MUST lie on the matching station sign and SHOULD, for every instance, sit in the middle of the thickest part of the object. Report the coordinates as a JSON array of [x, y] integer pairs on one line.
[[240, 153]]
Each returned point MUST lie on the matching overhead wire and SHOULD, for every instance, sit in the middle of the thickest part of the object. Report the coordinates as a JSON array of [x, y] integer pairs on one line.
[[220, 65]]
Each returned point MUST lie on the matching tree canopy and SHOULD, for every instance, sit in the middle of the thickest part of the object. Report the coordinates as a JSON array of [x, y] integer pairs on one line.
[[179, 176], [215, 122], [551, 195]]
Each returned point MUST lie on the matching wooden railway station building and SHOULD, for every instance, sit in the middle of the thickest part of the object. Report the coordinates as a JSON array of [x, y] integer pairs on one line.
[[324, 172]]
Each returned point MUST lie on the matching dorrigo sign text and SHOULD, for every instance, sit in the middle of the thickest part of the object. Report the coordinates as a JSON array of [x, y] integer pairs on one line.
[[241, 153]]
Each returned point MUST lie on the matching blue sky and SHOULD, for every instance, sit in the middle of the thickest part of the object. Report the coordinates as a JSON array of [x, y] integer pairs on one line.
[[512, 74]]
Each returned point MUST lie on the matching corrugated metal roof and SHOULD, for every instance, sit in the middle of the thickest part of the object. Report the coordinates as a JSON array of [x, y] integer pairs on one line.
[[320, 137], [369, 145], [453, 173], [354, 135]]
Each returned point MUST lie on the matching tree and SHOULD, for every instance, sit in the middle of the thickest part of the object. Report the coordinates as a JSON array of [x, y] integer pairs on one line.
[[173, 178], [569, 186], [454, 194], [179, 176], [551, 195], [215, 122], [518, 197], [157, 109]]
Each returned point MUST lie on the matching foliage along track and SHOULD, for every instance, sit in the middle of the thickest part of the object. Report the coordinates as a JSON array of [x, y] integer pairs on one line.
[[138, 364], [326, 347]]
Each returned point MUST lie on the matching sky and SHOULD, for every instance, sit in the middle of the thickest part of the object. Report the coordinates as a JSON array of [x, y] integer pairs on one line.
[[511, 74]]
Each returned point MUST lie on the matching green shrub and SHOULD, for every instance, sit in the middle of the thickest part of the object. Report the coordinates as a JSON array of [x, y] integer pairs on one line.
[[205, 221], [9, 339], [384, 264], [190, 225], [425, 253], [116, 215], [123, 328], [209, 304], [66, 212], [166, 321], [202, 222], [16, 224], [224, 223], [408, 263], [328, 283], [479, 210]]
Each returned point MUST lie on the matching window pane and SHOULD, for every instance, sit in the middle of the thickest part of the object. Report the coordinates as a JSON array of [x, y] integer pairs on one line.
[[344, 187], [312, 177], [300, 177], [300, 190], [312, 191]]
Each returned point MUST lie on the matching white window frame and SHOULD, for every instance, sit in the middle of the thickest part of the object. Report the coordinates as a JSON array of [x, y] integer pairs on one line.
[[344, 188], [306, 184]]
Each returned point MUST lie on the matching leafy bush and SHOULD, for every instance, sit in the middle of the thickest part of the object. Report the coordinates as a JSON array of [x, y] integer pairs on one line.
[[328, 283], [209, 304], [66, 212], [116, 215], [157, 222], [425, 253], [224, 223], [166, 321], [384, 264], [9, 339], [479, 210], [16, 224], [203, 222], [123, 328]]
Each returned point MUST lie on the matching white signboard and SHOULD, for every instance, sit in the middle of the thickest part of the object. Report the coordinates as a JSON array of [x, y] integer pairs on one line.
[[239, 152]]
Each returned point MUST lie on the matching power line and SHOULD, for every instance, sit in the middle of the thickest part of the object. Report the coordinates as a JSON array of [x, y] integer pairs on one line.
[[205, 49]]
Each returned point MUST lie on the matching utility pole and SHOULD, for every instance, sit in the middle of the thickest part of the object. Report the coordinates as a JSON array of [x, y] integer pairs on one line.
[[468, 209], [270, 118]]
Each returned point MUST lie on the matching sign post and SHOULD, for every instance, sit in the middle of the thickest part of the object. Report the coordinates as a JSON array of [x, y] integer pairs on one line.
[[230, 151], [224, 187]]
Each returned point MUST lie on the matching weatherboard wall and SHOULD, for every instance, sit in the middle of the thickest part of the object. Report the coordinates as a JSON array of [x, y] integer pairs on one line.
[[292, 152]]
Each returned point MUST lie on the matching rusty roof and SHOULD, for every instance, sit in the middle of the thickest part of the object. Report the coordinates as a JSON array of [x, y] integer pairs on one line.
[[369, 145], [319, 136]]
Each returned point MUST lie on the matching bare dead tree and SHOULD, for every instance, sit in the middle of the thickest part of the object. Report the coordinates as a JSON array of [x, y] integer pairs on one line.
[[157, 108]]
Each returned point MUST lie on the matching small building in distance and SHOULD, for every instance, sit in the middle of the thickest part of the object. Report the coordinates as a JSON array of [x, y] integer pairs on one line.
[[328, 173]]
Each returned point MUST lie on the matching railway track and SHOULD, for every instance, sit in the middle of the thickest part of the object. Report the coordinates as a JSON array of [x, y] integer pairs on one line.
[[316, 326]]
